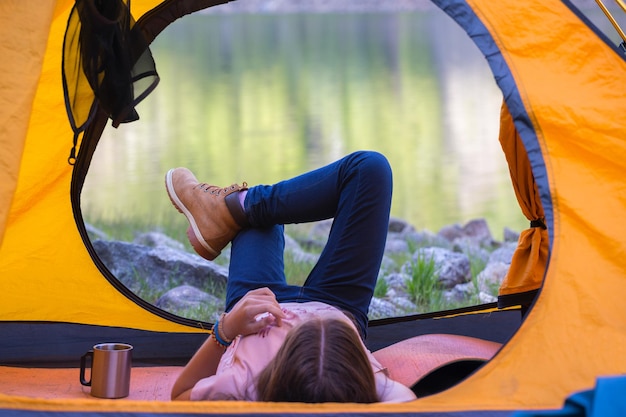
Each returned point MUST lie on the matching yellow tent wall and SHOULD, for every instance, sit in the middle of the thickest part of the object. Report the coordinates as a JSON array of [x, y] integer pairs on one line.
[[44, 265], [24, 48], [564, 87]]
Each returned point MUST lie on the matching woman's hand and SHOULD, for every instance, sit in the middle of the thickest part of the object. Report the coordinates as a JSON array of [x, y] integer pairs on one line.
[[250, 314], [257, 309]]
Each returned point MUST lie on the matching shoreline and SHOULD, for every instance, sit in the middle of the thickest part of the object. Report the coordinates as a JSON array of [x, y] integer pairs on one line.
[[334, 6], [319, 6]]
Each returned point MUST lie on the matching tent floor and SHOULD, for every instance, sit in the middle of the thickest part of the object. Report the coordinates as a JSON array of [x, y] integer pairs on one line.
[[146, 383], [439, 361]]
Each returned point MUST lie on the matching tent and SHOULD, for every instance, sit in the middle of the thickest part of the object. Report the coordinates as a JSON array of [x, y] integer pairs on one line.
[[561, 118]]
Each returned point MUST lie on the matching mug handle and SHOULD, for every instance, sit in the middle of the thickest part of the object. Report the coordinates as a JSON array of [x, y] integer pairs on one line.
[[83, 362]]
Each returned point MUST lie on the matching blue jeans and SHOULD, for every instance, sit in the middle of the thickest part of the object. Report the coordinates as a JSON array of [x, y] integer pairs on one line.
[[356, 192]]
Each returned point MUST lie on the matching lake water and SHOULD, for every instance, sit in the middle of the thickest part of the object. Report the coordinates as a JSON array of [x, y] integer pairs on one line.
[[259, 98]]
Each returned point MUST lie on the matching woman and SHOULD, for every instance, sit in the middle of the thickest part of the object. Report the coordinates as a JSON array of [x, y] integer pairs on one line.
[[280, 342]]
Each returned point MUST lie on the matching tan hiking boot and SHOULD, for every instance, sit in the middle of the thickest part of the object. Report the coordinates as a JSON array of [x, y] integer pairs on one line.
[[214, 214]]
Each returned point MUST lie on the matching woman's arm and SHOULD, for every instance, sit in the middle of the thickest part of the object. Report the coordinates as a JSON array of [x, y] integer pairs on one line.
[[202, 365], [391, 391], [241, 320]]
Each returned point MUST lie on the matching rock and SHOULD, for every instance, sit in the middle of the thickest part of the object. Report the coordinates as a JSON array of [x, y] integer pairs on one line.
[[451, 268], [510, 235], [460, 292], [380, 308], [426, 238], [504, 253], [187, 297], [474, 230], [478, 230], [471, 249], [397, 281], [403, 305], [490, 278], [387, 266], [159, 268], [395, 245], [451, 232], [397, 225], [157, 239], [487, 298]]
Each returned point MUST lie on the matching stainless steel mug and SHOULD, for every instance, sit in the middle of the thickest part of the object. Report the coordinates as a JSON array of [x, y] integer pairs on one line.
[[110, 370]]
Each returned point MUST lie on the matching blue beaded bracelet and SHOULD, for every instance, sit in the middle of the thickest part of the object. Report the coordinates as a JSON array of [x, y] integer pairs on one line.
[[217, 337]]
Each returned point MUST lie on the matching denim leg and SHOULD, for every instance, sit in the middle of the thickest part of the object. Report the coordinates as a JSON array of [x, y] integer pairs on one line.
[[356, 192], [256, 262]]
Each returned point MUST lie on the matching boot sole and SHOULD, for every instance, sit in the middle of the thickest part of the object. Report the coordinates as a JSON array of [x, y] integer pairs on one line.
[[198, 243]]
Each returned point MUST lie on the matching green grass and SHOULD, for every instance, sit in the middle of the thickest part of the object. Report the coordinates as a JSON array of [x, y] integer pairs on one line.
[[204, 313], [380, 291], [423, 285], [145, 290], [296, 272], [477, 264]]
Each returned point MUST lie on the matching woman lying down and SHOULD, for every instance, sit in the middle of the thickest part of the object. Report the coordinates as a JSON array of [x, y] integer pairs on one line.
[[281, 342]]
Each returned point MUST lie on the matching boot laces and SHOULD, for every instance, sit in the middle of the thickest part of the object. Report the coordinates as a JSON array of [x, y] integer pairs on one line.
[[217, 191]]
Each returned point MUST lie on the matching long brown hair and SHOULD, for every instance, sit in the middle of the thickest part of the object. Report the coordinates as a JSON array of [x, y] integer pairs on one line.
[[321, 360]]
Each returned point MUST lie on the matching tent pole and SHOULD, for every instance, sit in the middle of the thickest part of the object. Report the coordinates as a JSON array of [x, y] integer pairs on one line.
[[613, 21], [621, 4]]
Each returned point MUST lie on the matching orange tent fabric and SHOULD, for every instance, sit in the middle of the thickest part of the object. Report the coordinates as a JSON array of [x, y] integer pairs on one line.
[[528, 265]]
